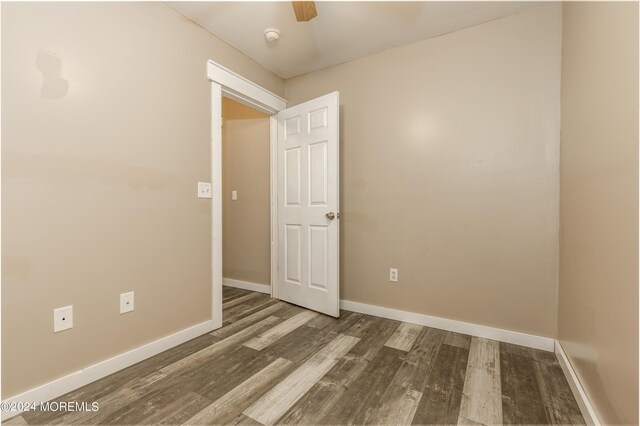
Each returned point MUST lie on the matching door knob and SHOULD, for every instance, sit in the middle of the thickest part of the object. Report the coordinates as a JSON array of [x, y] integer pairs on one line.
[[330, 215]]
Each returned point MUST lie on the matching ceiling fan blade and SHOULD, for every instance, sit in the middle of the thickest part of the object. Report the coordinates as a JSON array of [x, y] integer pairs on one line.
[[304, 10]]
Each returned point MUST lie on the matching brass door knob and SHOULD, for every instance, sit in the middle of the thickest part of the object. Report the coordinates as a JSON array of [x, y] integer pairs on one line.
[[330, 215]]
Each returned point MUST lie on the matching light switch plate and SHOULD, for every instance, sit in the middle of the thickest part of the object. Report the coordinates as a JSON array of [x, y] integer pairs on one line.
[[126, 302], [62, 318], [204, 190], [234, 195]]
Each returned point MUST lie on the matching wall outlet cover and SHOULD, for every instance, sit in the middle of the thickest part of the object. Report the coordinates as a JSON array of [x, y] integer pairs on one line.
[[393, 275], [62, 318], [126, 302], [204, 190]]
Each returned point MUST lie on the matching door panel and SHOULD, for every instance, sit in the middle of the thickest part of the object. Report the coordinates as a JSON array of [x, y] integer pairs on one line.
[[292, 176], [293, 250], [318, 184], [318, 256], [308, 235]]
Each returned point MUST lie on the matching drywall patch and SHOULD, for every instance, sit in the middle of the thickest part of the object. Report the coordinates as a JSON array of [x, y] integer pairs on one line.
[[53, 85]]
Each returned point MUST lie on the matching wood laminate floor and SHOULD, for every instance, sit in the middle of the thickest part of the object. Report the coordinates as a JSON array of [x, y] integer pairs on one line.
[[275, 363]]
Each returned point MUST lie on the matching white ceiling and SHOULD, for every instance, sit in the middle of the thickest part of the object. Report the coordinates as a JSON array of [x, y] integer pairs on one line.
[[342, 31]]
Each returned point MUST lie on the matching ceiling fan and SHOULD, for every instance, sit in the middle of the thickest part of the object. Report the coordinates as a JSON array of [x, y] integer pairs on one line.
[[304, 10]]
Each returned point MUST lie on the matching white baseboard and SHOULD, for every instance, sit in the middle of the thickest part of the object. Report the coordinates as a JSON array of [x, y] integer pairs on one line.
[[246, 285], [515, 337], [102, 369], [589, 414]]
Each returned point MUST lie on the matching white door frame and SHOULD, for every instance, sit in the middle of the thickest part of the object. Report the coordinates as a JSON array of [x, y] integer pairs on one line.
[[228, 83]]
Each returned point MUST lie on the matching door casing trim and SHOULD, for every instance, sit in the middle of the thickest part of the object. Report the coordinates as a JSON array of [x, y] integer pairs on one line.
[[225, 82]]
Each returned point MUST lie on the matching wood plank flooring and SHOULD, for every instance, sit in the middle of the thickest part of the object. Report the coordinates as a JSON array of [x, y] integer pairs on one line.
[[275, 363]]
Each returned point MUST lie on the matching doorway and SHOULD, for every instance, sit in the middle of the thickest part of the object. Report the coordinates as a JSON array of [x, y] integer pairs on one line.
[[304, 187], [246, 239], [227, 83]]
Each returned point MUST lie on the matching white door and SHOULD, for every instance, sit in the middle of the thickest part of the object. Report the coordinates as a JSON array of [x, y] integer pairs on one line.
[[308, 225]]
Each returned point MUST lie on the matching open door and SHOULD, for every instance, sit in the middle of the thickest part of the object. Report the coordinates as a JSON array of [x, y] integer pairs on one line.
[[308, 205]]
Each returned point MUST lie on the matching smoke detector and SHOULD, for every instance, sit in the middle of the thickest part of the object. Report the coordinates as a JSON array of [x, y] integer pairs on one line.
[[272, 34]]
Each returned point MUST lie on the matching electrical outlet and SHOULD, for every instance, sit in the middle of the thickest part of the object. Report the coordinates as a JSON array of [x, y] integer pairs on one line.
[[393, 275], [62, 319], [204, 190], [126, 302], [234, 195]]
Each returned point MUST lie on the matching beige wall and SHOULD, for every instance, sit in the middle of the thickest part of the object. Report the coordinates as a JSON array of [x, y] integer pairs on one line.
[[105, 132], [449, 157], [598, 297], [449, 172], [246, 240]]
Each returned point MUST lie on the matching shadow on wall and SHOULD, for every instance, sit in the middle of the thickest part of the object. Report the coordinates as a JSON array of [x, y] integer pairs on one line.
[[53, 85]]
